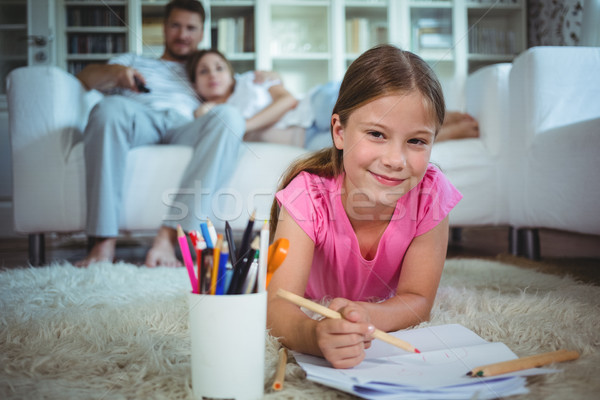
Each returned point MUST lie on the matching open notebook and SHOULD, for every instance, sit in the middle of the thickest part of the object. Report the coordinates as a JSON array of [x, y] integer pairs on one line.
[[448, 352]]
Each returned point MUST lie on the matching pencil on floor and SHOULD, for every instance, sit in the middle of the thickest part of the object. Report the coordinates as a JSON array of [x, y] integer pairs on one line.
[[524, 363], [329, 313], [280, 373]]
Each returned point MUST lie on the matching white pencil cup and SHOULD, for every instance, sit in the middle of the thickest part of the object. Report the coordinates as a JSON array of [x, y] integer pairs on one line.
[[228, 345]]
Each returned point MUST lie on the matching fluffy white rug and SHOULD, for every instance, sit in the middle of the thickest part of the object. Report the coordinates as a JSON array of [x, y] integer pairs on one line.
[[120, 331]]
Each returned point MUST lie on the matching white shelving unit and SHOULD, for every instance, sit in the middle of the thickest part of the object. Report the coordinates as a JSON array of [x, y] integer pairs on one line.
[[13, 28], [92, 31], [313, 41]]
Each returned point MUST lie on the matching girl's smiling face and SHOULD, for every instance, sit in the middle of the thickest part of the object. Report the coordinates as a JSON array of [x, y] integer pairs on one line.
[[386, 147], [214, 79]]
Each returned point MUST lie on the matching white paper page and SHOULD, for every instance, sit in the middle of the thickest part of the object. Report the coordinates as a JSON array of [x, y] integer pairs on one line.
[[448, 352], [492, 390], [427, 339], [430, 369]]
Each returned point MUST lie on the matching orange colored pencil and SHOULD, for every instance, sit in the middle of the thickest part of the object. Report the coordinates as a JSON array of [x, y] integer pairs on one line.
[[524, 363], [215, 268], [280, 373]]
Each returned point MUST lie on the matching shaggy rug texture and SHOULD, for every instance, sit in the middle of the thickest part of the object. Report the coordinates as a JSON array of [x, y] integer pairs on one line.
[[121, 331]]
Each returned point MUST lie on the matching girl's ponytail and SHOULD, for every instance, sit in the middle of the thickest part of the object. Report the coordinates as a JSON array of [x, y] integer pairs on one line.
[[326, 163]]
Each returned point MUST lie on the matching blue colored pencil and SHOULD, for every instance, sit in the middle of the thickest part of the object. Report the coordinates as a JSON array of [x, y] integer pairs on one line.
[[221, 274], [206, 235]]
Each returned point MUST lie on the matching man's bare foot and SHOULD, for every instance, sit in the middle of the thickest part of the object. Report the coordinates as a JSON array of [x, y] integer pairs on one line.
[[103, 250], [162, 252]]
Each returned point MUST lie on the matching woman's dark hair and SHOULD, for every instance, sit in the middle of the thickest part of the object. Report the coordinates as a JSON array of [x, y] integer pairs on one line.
[[195, 57]]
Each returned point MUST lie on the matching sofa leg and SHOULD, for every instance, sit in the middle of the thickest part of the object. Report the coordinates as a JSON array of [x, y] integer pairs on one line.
[[455, 234], [532, 244], [513, 241], [37, 249], [524, 242]]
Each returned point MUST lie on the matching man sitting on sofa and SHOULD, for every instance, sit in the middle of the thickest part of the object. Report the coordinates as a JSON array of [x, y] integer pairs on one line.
[[150, 101]]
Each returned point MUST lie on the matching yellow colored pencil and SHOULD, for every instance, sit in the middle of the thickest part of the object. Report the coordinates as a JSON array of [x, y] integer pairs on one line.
[[329, 313], [524, 363], [215, 267]]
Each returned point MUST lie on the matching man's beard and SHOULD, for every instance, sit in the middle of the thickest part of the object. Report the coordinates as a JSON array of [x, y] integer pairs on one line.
[[179, 57]]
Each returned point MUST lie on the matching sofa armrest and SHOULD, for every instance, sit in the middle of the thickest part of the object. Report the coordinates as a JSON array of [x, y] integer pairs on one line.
[[48, 109], [551, 87], [46, 101], [487, 101]]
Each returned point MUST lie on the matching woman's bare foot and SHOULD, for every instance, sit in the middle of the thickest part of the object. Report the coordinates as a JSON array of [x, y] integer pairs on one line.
[[458, 126], [103, 250], [162, 252]]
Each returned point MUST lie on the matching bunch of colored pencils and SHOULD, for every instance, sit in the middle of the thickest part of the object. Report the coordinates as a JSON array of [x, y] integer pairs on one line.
[[220, 269]]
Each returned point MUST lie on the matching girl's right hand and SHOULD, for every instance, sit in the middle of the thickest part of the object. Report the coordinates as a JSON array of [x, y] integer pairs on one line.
[[343, 341]]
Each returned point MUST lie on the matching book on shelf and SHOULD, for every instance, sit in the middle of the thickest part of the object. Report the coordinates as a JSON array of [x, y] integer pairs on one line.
[[95, 16], [491, 40], [96, 43], [233, 35], [152, 31], [432, 36], [362, 34]]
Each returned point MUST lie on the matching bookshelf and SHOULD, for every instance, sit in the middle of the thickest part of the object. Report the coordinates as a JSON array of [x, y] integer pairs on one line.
[[366, 25], [309, 41], [150, 18], [496, 34], [93, 31], [13, 27], [232, 31]]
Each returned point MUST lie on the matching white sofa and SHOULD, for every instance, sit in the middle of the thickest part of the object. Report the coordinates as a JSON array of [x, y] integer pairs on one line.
[[48, 110], [533, 166]]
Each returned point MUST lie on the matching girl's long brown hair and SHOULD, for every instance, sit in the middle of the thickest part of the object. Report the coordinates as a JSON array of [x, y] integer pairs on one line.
[[380, 71]]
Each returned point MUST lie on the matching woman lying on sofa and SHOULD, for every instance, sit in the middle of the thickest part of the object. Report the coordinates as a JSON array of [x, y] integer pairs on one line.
[[273, 114]]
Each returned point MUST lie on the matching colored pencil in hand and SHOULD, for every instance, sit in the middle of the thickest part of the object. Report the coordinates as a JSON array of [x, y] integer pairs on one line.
[[329, 313]]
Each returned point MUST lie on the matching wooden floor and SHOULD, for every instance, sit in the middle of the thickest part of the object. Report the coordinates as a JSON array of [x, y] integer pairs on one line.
[[562, 253]]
